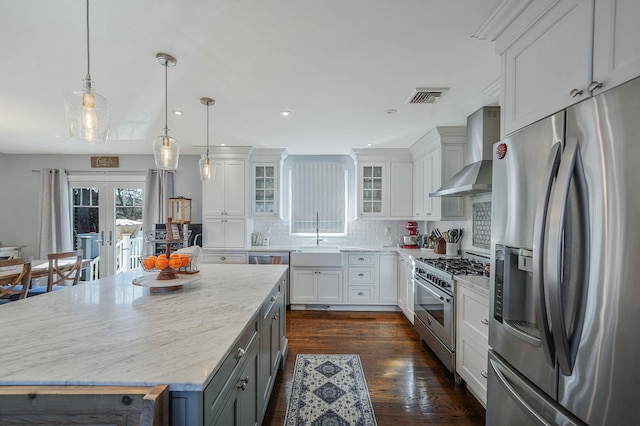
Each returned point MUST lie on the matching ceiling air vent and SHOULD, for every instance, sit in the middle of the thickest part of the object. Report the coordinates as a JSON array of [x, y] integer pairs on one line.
[[426, 96]]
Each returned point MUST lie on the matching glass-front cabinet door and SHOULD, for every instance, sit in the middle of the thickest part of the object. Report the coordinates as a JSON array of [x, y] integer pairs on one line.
[[265, 184], [372, 190]]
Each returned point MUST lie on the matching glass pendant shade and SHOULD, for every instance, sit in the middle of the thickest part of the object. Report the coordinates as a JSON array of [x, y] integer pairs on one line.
[[166, 152], [88, 115], [205, 168]]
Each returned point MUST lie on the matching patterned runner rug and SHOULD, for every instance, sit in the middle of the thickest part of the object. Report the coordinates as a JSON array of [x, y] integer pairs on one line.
[[329, 390]]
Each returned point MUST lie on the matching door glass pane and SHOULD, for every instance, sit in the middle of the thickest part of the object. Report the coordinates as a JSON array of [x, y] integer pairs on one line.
[[128, 213]]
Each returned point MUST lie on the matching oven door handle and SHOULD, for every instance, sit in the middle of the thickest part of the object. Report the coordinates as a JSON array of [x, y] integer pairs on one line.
[[426, 287]]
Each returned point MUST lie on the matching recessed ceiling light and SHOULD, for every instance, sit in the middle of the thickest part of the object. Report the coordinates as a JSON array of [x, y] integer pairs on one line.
[[177, 112], [285, 113], [223, 144], [369, 144], [392, 111]]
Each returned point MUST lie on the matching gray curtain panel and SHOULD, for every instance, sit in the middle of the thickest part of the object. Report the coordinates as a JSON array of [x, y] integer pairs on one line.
[[157, 191], [55, 216]]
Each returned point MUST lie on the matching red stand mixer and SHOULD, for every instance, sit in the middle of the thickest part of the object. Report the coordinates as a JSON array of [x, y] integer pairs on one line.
[[410, 241]]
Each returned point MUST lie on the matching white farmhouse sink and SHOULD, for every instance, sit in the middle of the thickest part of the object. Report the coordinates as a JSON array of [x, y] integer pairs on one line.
[[317, 259], [319, 249]]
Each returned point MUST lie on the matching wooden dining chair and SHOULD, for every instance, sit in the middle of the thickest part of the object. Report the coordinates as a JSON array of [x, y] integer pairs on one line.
[[64, 268], [14, 286]]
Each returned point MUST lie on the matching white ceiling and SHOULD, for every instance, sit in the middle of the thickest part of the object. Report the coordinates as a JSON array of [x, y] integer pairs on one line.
[[337, 65]]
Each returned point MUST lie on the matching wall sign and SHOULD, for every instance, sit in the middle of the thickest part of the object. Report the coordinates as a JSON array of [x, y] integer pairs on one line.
[[104, 162]]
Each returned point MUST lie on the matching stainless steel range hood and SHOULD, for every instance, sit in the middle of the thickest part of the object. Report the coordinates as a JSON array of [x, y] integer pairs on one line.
[[483, 130]]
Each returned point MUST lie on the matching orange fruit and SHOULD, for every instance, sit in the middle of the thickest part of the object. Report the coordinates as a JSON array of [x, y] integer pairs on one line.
[[175, 262], [174, 255], [149, 262], [163, 255], [162, 263], [185, 260]]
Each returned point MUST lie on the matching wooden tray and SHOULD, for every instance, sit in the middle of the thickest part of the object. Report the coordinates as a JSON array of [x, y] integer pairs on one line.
[[163, 286]]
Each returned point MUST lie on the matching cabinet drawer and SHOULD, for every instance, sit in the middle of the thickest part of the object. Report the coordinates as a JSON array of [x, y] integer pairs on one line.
[[361, 294], [231, 363], [223, 257], [362, 275], [271, 300], [362, 259], [473, 312], [471, 364]]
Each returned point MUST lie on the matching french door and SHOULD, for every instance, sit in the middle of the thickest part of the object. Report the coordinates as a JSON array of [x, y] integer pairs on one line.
[[107, 221]]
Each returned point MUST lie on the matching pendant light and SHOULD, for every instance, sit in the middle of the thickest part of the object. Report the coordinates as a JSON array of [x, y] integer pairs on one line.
[[207, 170], [88, 113], [165, 148]]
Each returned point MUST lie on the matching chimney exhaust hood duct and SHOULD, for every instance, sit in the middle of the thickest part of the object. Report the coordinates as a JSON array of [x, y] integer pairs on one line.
[[483, 130]]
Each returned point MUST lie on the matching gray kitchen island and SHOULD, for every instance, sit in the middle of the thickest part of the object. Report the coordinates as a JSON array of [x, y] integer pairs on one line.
[[227, 326]]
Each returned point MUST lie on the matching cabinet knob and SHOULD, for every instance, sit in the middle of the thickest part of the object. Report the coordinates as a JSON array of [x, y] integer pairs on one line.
[[275, 316], [240, 353], [361, 274], [484, 374], [485, 321], [575, 92], [594, 85], [223, 258], [361, 259], [273, 298], [360, 293], [243, 383]]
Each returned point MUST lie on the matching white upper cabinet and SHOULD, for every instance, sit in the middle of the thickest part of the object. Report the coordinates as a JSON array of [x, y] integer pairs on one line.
[[224, 199], [616, 47], [438, 156], [385, 183], [549, 67], [558, 52], [265, 191], [225, 196]]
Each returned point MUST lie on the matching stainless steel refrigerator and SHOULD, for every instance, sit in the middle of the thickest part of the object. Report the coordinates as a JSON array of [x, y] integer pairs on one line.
[[565, 286]]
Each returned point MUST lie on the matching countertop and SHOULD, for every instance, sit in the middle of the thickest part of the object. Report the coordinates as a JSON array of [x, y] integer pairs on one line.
[[477, 282], [111, 332]]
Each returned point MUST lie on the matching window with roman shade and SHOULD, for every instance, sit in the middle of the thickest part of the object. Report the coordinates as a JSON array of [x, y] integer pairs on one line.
[[318, 199]]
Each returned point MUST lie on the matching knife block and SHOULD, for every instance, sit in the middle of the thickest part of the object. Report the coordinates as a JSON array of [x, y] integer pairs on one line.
[[440, 247]]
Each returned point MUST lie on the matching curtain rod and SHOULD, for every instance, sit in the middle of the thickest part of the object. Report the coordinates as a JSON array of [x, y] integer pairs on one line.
[[126, 172]]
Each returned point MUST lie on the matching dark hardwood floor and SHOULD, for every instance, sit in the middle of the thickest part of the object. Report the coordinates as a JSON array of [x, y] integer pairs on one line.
[[407, 383]]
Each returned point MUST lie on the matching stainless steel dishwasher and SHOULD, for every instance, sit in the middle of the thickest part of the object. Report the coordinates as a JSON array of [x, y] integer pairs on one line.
[[272, 258]]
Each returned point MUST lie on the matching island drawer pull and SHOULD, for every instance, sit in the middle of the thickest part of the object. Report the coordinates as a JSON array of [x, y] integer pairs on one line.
[[484, 374], [485, 321], [241, 353]]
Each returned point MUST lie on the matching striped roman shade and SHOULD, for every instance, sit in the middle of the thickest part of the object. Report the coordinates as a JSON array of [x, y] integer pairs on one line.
[[318, 190]]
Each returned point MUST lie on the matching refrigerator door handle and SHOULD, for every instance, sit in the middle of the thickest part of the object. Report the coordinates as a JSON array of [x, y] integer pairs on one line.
[[539, 230], [571, 169], [546, 412]]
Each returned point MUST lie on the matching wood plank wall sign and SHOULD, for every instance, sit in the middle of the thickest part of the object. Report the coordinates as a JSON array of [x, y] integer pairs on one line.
[[104, 162]]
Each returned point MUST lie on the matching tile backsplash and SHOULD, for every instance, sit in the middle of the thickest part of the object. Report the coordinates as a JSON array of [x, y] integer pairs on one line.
[[476, 231]]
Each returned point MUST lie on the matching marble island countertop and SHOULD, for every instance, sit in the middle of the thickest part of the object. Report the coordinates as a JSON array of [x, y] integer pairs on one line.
[[111, 332]]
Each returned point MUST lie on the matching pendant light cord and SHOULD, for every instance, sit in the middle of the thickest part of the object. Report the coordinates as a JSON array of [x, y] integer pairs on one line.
[[88, 55], [166, 98], [207, 130]]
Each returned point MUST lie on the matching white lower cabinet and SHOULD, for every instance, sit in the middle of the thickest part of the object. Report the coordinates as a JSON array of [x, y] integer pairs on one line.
[[369, 279], [309, 286], [405, 286], [388, 279], [223, 257], [472, 341]]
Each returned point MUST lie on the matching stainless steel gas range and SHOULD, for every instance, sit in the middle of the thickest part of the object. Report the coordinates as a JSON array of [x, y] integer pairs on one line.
[[434, 307]]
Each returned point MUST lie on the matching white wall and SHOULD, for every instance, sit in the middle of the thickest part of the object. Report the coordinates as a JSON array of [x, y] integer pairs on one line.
[[20, 188]]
